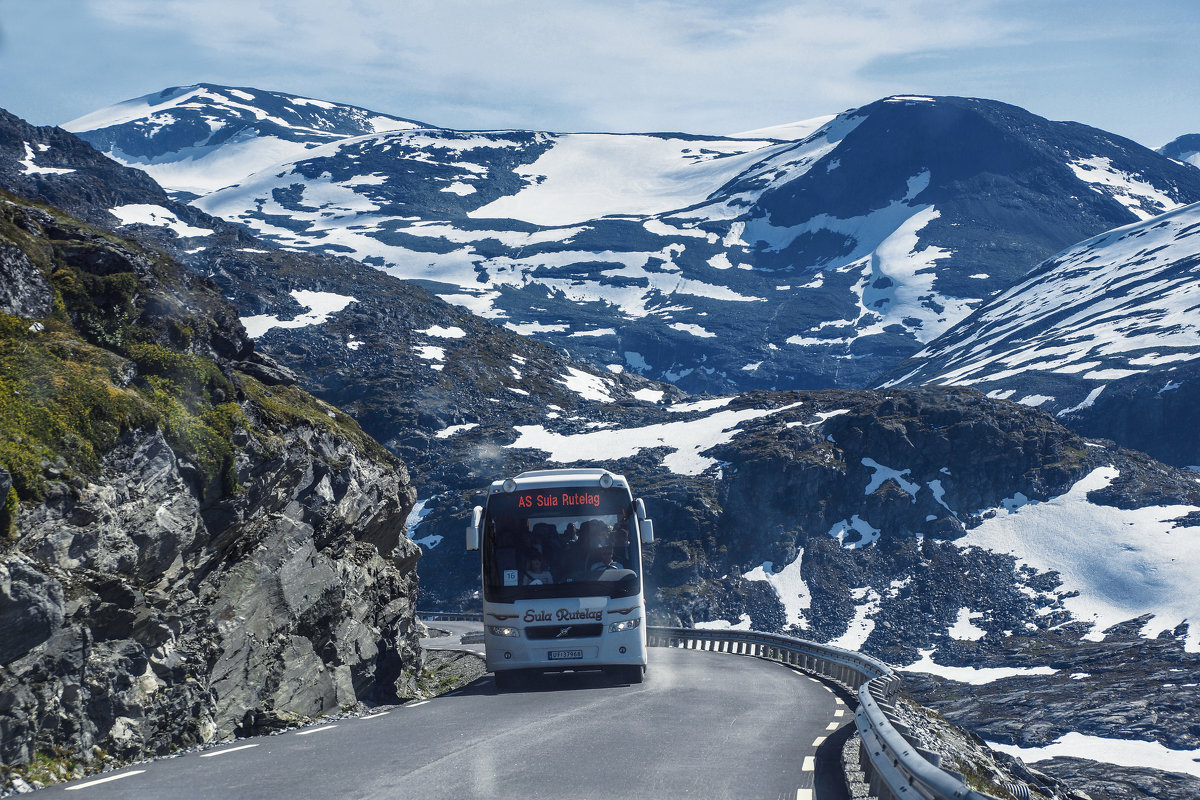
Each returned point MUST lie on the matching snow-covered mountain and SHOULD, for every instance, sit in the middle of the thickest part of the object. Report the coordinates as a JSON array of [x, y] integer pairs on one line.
[[936, 527], [1105, 335], [718, 263], [197, 139], [1185, 148]]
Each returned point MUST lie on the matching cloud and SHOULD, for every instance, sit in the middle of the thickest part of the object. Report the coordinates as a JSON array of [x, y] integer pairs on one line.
[[620, 65]]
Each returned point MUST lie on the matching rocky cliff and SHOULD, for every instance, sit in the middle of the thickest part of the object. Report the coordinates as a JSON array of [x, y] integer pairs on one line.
[[193, 547]]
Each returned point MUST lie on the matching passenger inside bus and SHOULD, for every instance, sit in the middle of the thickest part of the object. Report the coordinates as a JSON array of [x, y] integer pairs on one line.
[[536, 573], [531, 552]]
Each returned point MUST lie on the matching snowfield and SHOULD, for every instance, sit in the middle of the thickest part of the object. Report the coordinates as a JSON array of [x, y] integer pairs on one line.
[[1132, 296], [662, 232], [587, 176], [1123, 563]]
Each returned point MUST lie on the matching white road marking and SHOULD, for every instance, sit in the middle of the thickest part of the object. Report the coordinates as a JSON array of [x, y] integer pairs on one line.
[[414, 705], [839, 713], [839, 701], [314, 730], [809, 764], [804, 794], [833, 726], [377, 716], [106, 780], [230, 750], [817, 741]]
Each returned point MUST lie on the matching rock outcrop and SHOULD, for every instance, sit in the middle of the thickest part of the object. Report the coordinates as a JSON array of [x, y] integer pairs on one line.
[[196, 550]]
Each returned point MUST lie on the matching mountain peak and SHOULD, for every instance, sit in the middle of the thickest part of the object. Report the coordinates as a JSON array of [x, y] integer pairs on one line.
[[1185, 148], [227, 131]]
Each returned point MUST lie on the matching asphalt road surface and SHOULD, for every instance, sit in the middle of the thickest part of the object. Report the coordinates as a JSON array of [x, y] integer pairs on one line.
[[453, 641], [703, 725]]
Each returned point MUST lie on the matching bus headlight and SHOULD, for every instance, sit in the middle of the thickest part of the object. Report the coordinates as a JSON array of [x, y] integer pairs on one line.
[[624, 625], [503, 630]]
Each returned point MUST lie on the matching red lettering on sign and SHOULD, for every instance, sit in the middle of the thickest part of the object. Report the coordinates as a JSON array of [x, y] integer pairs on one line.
[[556, 498]]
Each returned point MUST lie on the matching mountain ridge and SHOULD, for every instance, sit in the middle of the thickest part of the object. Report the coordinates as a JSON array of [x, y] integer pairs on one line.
[[844, 252], [1128, 338]]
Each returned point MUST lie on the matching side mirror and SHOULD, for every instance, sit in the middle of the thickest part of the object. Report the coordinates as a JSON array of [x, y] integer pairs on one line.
[[473, 528], [639, 508], [647, 528]]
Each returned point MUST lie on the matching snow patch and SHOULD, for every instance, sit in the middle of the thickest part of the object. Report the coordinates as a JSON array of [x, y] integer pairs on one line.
[[694, 330], [1087, 402], [880, 473], [1124, 752], [446, 433], [588, 176], [586, 385], [789, 587], [320, 305], [963, 629], [976, 676], [863, 624], [842, 531], [452, 332], [1035, 400], [725, 625], [33, 169], [147, 214], [686, 440]]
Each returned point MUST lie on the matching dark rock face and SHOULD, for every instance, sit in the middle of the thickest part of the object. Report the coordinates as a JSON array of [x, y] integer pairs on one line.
[[163, 594], [1156, 413], [1124, 688], [67, 172], [31, 608], [1113, 782]]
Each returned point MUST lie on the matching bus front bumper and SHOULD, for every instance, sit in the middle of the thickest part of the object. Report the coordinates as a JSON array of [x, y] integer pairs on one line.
[[609, 649]]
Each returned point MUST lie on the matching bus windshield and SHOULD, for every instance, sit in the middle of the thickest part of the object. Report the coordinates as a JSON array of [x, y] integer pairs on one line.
[[560, 542]]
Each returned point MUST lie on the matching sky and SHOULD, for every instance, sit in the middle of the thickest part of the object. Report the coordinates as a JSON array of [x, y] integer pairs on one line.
[[717, 66]]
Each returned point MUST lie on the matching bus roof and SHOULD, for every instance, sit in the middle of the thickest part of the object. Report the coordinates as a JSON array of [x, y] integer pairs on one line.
[[561, 477]]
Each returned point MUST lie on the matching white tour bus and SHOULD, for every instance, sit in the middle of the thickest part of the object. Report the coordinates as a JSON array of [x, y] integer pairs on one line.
[[562, 574]]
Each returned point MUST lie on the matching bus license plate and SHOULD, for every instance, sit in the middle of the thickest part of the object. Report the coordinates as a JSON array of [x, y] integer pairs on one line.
[[559, 655]]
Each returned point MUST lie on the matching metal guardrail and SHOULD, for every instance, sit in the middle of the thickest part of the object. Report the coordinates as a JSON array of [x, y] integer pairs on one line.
[[449, 616], [895, 766]]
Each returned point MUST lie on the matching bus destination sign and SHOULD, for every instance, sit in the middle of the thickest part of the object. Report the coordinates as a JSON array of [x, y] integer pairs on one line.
[[566, 499]]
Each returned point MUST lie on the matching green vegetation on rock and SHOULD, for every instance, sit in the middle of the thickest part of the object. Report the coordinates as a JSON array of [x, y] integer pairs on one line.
[[73, 382]]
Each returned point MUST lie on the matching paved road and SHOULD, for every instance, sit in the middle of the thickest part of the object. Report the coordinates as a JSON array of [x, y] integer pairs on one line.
[[454, 641], [703, 725]]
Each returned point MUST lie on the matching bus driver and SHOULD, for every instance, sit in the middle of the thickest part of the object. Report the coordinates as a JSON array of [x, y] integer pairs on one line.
[[602, 556]]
